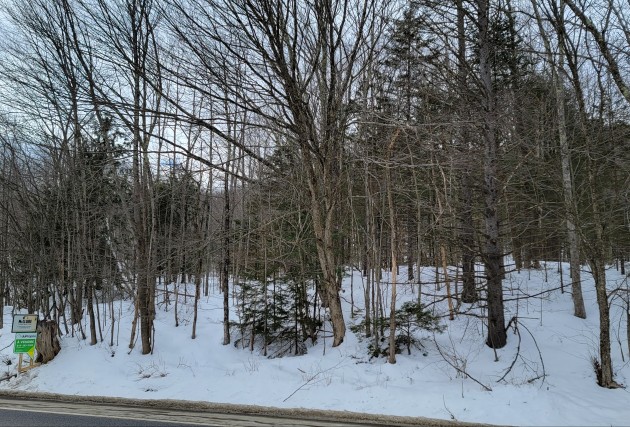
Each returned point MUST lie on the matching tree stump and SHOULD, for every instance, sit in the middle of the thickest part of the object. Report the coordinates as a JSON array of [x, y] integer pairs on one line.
[[47, 343]]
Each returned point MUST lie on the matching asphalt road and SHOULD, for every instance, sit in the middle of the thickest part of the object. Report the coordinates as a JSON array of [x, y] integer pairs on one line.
[[29, 413], [18, 408], [9, 417]]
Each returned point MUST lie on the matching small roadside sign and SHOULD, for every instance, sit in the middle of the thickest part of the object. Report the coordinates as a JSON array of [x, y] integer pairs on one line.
[[24, 323], [25, 343]]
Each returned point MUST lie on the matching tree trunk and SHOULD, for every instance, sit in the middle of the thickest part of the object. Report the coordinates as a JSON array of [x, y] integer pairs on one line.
[[419, 245], [145, 311], [598, 268], [47, 343], [594, 246], [323, 209], [605, 369], [570, 207], [497, 337], [447, 281], [225, 274], [2, 300], [393, 242], [469, 292], [113, 320], [197, 297], [369, 262], [90, 307], [410, 244]]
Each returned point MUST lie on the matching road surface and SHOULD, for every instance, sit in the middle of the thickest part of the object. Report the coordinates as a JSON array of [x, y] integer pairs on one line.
[[32, 409]]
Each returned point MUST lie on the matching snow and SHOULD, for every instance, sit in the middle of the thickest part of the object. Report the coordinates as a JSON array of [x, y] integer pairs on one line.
[[552, 381]]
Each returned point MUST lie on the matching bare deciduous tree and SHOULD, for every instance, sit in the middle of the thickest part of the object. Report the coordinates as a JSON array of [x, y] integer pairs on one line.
[[295, 64]]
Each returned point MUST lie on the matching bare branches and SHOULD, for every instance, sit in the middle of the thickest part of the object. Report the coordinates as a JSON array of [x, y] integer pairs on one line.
[[603, 44], [458, 368]]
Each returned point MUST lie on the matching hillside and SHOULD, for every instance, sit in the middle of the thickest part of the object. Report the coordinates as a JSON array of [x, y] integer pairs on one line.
[[551, 380]]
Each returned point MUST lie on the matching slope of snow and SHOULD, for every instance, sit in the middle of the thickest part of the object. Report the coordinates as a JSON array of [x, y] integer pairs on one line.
[[551, 382]]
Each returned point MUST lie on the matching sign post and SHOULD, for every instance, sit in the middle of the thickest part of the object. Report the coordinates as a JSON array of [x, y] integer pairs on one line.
[[25, 329]]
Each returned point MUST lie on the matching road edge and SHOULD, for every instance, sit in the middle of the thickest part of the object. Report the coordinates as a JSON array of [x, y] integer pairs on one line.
[[237, 409]]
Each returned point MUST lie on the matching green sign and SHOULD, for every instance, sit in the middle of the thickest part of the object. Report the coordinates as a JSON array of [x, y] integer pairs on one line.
[[25, 343]]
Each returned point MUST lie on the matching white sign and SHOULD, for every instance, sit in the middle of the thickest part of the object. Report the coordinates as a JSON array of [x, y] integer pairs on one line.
[[24, 323]]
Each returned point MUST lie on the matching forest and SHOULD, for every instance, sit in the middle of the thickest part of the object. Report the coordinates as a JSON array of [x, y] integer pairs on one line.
[[273, 144]]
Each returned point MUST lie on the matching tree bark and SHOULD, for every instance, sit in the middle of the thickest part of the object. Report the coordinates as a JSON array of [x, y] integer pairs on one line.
[[410, 244], [369, 258], [467, 233], [569, 202], [225, 274], [90, 307], [393, 240], [497, 337], [605, 371], [447, 281], [47, 343], [598, 269], [469, 290], [570, 207]]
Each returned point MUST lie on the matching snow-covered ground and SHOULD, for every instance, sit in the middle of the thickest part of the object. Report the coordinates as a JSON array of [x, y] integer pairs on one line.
[[552, 381]]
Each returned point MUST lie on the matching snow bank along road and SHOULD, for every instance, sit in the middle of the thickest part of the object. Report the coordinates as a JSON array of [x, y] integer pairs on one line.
[[174, 412]]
